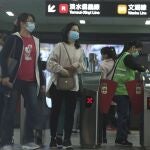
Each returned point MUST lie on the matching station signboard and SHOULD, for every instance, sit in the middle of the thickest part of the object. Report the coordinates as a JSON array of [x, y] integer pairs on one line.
[[95, 8]]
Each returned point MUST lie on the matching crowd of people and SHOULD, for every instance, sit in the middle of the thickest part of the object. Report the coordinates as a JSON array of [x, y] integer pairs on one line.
[[22, 74]]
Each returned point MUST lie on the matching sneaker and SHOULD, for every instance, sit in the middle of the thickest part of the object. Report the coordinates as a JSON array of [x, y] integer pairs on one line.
[[124, 143], [53, 143], [6, 147], [59, 142], [39, 141], [67, 145], [30, 146]]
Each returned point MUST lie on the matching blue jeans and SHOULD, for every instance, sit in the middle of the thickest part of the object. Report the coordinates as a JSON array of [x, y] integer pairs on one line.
[[123, 116], [29, 93]]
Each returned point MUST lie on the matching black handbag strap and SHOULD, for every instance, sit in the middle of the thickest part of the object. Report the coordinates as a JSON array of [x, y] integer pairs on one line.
[[67, 53], [111, 70]]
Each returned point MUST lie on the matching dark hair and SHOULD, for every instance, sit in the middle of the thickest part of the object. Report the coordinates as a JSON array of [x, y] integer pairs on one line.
[[65, 32], [128, 45], [110, 51], [22, 18]]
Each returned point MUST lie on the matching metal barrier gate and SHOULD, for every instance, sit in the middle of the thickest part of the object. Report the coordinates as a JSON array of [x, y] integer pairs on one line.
[[146, 131], [90, 124]]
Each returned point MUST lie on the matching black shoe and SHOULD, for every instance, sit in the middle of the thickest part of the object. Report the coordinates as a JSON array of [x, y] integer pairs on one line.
[[59, 142], [75, 131], [104, 140], [67, 145], [124, 143], [53, 143], [39, 141]]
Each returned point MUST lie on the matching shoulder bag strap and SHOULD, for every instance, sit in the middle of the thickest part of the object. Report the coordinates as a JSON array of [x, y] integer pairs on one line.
[[59, 55], [67, 53], [110, 70]]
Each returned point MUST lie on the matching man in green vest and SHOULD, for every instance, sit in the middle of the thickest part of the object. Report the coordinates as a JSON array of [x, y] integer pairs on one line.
[[125, 71]]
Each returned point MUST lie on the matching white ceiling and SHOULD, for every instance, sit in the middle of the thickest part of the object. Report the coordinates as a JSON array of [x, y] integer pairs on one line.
[[49, 24]]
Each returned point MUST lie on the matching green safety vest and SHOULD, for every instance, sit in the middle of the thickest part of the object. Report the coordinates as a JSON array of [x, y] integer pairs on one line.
[[122, 74]]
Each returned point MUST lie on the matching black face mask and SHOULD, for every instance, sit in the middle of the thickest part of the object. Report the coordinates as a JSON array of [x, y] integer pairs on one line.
[[142, 53]]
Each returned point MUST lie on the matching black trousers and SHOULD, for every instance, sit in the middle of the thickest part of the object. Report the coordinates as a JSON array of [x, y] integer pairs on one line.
[[108, 119], [104, 125], [69, 99]]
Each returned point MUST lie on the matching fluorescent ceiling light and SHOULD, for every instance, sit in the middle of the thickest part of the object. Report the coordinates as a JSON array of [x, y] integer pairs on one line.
[[82, 21], [147, 22], [9, 13]]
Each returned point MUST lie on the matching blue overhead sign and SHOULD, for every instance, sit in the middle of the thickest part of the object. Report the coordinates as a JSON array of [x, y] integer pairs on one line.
[[93, 8]]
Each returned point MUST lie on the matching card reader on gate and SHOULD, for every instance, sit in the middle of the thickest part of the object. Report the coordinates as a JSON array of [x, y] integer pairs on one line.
[[146, 79], [89, 101]]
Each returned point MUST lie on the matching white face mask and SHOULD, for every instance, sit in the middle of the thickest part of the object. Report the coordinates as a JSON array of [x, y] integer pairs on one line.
[[1, 47], [135, 54], [30, 26]]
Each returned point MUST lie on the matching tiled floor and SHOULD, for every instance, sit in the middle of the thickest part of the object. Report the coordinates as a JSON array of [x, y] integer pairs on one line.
[[134, 137]]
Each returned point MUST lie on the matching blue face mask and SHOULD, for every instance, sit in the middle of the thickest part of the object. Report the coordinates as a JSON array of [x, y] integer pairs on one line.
[[30, 26], [73, 36], [135, 54]]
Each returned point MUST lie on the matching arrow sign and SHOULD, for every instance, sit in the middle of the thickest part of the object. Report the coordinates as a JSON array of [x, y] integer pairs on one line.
[[51, 8]]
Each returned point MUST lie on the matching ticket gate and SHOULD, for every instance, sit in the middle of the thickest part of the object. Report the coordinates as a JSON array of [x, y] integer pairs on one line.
[[97, 96], [90, 134], [145, 124], [90, 123]]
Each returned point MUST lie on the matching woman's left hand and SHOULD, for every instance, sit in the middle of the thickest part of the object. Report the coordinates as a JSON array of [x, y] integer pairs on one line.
[[71, 69]]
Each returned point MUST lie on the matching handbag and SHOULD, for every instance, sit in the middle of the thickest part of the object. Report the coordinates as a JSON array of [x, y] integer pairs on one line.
[[65, 83]]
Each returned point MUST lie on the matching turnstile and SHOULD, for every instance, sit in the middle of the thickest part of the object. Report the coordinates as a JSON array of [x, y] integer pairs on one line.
[[90, 120], [90, 124], [145, 131]]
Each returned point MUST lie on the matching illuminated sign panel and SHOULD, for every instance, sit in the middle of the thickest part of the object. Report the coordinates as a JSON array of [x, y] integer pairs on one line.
[[89, 101], [84, 9], [63, 8], [72, 8], [122, 9], [137, 9], [93, 8]]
